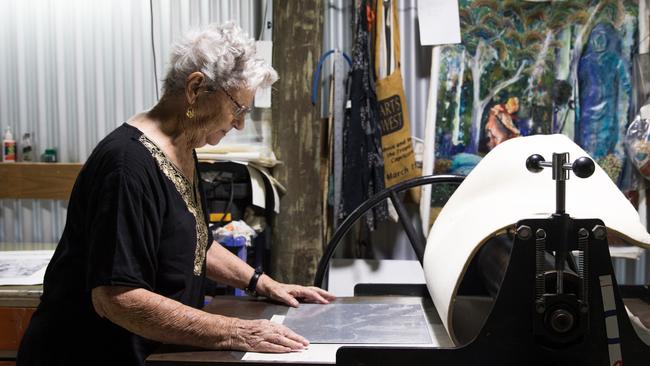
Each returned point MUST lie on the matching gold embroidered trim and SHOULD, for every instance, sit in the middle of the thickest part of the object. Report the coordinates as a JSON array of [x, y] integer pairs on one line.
[[189, 195]]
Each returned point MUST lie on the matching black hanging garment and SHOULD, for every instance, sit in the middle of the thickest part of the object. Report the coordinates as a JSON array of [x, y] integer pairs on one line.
[[363, 162]]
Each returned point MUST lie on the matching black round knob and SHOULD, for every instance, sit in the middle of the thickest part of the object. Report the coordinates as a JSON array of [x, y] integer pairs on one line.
[[561, 321], [532, 163], [583, 167]]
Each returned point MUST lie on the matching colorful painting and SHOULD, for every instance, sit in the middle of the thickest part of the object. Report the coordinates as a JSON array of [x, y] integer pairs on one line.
[[527, 68]]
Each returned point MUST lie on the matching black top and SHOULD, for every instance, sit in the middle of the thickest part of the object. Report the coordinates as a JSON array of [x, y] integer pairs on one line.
[[133, 220]]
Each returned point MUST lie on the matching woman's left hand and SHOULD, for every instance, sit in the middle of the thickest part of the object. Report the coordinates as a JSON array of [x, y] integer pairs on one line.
[[292, 294]]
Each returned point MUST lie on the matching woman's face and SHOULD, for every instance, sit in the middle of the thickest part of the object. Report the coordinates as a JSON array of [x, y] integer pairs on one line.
[[228, 112]]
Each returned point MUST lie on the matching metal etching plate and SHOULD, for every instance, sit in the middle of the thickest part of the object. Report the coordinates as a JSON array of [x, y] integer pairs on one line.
[[360, 323]]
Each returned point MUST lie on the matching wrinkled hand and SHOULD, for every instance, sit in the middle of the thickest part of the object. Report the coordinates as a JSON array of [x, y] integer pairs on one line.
[[291, 294], [265, 336]]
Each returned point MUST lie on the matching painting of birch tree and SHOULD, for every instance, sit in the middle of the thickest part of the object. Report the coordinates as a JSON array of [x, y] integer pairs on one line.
[[527, 68]]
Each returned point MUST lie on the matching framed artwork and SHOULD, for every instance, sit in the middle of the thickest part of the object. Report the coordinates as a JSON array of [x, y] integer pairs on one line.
[[526, 68]]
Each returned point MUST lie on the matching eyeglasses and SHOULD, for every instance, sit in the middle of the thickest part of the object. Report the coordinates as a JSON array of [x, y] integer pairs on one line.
[[241, 109]]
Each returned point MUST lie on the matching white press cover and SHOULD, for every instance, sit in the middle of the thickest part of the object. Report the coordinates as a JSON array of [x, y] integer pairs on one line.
[[499, 192]]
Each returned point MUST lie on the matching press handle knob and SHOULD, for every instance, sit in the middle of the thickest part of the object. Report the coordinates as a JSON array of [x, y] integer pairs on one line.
[[583, 167], [533, 163]]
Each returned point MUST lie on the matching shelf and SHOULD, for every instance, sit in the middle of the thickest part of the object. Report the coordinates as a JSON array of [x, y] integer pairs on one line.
[[38, 180]]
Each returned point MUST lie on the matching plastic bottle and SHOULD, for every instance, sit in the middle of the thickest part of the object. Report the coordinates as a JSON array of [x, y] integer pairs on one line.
[[26, 146], [49, 156], [8, 147]]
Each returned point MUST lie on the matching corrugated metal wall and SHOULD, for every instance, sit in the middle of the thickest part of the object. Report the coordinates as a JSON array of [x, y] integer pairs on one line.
[[73, 70], [416, 66]]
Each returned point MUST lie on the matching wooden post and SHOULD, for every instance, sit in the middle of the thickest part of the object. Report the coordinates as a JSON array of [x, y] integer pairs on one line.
[[297, 37]]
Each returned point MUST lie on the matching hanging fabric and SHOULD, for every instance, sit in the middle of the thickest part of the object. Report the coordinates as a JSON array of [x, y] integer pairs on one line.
[[363, 163], [399, 158], [336, 53], [332, 130]]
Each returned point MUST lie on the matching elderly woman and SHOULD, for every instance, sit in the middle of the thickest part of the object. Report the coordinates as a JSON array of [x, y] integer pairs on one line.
[[129, 270]]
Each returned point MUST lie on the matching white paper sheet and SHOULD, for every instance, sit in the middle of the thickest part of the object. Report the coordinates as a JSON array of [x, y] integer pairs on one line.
[[275, 185], [265, 52], [315, 353], [439, 22], [24, 267], [257, 187]]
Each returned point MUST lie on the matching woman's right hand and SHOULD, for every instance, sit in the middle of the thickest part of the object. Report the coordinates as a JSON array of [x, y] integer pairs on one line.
[[265, 336]]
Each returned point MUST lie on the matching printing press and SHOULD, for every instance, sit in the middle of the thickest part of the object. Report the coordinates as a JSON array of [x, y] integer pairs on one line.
[[554, 298], [508, 282]]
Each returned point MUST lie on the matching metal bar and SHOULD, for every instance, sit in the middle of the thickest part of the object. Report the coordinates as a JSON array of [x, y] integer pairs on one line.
[[359, 211], [560, 197], [416, 242]]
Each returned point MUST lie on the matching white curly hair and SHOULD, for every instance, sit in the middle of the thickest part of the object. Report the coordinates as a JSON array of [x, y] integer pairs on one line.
[[224, 54]]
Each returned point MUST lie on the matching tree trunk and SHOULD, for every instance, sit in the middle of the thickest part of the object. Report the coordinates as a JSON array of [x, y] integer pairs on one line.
[[477, 110], [455, 136], [297, 37], [479, 106]]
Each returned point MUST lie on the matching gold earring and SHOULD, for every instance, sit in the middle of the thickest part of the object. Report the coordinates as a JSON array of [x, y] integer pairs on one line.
[[189, 113]]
